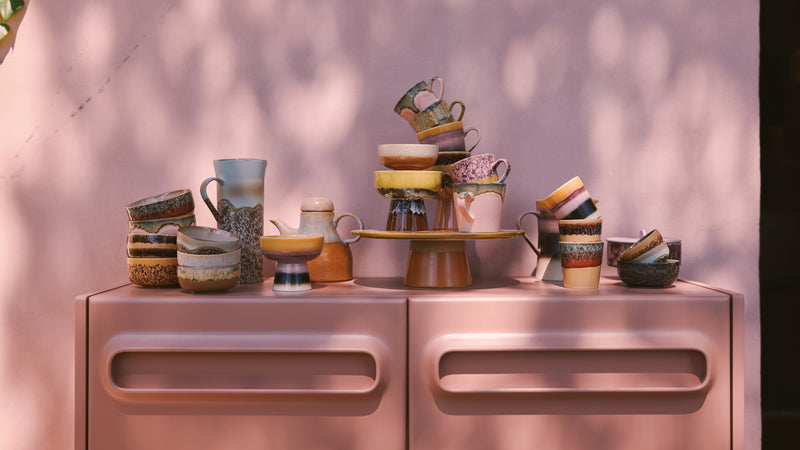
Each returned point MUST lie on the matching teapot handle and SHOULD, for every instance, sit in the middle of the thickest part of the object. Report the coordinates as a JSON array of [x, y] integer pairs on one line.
[[360, 226], [524, 235]]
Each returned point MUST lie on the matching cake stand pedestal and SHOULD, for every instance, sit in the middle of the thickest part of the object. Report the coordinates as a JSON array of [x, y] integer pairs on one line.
[[437, 258]]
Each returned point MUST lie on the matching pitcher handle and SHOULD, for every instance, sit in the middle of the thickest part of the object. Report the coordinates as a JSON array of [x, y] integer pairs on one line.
[[360, 226], [204, 195], [524, 235]]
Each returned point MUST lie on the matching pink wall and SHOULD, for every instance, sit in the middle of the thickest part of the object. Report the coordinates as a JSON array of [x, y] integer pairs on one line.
[[654, 104]]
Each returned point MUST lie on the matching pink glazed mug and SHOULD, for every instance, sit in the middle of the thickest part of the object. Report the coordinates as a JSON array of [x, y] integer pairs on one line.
[[478, 206]]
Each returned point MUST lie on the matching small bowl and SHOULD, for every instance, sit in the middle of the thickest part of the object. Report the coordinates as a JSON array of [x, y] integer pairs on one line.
[[654, 274], [214, 260], [299, 245], [649, 248], [617, 245], [167, 226], [161, 206], [206, 241], [408, 184], [408, 156], [153, 272], [148, 245], [209, 279]]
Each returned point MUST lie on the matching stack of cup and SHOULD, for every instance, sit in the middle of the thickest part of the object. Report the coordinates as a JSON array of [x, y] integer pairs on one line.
[[581, 249], [209, 259], [478, 192], [152, 237]]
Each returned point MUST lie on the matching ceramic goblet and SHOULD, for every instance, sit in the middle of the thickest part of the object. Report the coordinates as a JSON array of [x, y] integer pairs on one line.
[[292, 254]]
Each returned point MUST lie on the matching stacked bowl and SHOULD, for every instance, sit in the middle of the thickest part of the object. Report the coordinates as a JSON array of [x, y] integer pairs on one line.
[[209, 259], [152, 237]]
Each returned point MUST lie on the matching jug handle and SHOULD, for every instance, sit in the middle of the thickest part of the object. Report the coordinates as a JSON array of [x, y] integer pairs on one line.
[[360, 226], [204, 195], [524, 235]]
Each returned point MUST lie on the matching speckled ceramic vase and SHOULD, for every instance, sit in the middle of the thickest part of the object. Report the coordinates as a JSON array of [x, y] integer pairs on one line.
[[240, 209]]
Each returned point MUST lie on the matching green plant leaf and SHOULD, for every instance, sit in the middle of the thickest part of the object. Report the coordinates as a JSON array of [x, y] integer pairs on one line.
[[9, 7]]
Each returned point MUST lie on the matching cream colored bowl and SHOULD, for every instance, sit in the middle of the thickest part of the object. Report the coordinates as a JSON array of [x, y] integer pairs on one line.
[[206, 240], [408, 156]]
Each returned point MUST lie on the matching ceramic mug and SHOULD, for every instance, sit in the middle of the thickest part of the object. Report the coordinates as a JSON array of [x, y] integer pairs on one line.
[[580, 264], [437, 114], [548, 261], [450, 137], [240, 209], [479, 169], [572, 201], [580, 230], [419, 97], [478, 206]]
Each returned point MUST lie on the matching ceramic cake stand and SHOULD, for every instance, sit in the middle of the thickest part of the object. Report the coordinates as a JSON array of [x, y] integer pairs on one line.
[[437, 258]]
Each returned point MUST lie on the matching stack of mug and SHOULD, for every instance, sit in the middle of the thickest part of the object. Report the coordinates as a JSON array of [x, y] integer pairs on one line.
[[478, 192], [579, 227], [152, 237]]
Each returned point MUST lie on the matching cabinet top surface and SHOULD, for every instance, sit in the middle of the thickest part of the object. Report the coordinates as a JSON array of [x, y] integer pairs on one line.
[[393, 289]]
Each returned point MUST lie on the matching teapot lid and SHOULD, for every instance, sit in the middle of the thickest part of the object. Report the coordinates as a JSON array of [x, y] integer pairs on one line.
[[316, 204]]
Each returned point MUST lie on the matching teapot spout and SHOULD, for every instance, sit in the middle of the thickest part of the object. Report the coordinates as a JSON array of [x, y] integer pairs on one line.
[[284, 229]]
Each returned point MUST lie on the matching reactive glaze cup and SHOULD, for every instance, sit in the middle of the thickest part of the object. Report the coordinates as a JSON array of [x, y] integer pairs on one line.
[[580, 230], [437, 114], [479, 169], [450, 137], [478, 206], [419, 97], [572, 201], [548, 255], [580, 264]]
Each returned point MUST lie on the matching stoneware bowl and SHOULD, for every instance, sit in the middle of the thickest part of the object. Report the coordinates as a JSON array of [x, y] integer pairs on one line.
[[148, 245], [408, 184], [654, 274], [301, 247], [649, 248], [169, 204], [206, 241], [209, 279], [216, 260], [153, 272], [168, 225], [408, 156]]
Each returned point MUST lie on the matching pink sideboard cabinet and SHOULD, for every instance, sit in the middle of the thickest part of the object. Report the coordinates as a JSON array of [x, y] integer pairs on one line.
[[371, 364]]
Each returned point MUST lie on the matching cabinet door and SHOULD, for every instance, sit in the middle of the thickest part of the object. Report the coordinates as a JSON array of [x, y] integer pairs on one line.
[[197, 372], [647, 369]]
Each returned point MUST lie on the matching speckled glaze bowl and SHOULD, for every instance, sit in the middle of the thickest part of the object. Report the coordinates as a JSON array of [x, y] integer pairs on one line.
[[148, 245], [408, 184], [214, 260], [153, 272], [169, 204], [206, 241], [168, 225], [407, 156], [209, 279], [654, 274]]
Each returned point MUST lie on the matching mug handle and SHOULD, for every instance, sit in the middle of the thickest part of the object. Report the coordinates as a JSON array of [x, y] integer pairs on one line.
[[476, 140], [505, 174], [463, 108], [203, 194], [360, 226], [524, 235], [461, 206], [441, 84]]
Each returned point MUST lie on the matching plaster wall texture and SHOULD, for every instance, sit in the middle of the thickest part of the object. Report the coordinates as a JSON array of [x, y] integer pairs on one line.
[[654, 104]]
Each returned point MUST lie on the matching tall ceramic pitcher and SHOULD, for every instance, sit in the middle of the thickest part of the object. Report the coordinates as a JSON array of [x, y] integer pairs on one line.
[[548, 263], [240, 208]]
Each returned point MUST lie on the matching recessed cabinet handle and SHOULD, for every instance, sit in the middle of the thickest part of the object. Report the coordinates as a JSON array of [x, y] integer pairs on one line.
[[152, 367], [563, 363]]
